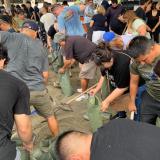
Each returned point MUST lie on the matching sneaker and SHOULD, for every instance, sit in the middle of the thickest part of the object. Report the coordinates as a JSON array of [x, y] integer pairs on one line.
[[79, 90], [83, 97]]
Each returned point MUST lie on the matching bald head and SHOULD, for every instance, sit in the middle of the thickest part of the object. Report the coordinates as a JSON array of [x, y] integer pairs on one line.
[[74, 145]]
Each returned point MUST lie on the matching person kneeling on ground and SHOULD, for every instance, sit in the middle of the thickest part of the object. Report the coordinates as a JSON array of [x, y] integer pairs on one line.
[[115, 66], [120, 139], [14, 107]]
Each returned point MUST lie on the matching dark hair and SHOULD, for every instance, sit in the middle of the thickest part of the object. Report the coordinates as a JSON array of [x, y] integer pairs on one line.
[[65, 2], [114, 1], [139, 45], [28, 2], [156, 69], [4, 53], [142, 2], [102, 54], [6, 19], [153, 5]]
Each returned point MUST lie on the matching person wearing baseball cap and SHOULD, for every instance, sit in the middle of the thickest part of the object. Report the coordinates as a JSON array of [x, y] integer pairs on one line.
[[30, 28]]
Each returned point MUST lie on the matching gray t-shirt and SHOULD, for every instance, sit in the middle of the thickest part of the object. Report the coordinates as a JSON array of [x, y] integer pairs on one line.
[[28, 59], [151, 79]]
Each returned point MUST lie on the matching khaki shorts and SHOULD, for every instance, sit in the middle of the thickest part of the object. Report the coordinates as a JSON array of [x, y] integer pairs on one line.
[[42, 102], [88, 70]]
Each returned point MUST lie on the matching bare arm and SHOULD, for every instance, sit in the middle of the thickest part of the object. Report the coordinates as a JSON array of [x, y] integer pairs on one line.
[[142, 30], [45, 75], [98, 87], [67, 64], [158, 23], [91, 23], [24, 129], [134, 81], [115, 94]]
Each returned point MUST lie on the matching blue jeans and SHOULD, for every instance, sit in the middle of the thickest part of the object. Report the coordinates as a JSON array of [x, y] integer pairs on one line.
[[138, 102]]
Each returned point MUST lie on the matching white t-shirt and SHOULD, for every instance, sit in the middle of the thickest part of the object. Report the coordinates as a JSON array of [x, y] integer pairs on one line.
[[48, 19]]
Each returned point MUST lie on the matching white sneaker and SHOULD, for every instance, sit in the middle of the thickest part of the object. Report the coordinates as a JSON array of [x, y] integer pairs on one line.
[[83, 97], [79, 90]]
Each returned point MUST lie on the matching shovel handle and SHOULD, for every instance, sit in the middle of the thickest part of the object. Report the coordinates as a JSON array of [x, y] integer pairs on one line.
[[86, 91], [132, 115]]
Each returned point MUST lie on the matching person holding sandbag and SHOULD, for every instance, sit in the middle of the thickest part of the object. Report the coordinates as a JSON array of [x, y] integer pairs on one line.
[[80, 49], [115, 66]]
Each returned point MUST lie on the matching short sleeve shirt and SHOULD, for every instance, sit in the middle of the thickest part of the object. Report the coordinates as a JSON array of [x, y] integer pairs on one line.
[[151, 79], [28, 59], [14, 99], [74, 50], [69, 21], [119, 74], [124, 139], [99, 22]]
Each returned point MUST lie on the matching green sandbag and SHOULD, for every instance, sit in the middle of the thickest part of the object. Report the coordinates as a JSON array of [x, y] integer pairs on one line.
[[105, 90], [94, 113], [57, 60], [64, 80]]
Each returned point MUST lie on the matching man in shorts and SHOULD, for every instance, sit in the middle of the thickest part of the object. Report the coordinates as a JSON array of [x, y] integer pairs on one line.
[[80, 49], [29, 62]]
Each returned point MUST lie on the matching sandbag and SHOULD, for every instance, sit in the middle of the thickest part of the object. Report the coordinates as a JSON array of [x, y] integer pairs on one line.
[[94, 113], [57, 59], [64, 80], [105, 90]]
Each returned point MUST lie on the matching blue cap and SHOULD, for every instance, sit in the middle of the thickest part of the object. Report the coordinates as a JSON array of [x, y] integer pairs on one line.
[[31, 25], [108, 36]]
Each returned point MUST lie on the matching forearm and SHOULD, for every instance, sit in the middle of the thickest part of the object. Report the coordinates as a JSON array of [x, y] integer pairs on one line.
[[133, 92], [134, 81], [115, 94], [156, 25], [67, 64], [45, 75], [99, 85], [24, 128]]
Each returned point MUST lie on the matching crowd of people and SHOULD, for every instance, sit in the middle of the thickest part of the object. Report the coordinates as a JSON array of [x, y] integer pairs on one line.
[[122, 43]]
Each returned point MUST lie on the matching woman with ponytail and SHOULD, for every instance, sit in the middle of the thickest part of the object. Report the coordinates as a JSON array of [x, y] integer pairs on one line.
[[114, 66]]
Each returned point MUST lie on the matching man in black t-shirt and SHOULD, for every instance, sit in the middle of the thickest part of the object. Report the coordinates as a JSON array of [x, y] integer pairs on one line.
[[14, 107], [140, 11], [80, 49], [30, 11], [114, 12], [119, 139]]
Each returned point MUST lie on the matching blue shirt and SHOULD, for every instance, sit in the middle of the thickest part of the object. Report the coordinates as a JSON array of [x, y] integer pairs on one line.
[[88, 11], [69, 21]]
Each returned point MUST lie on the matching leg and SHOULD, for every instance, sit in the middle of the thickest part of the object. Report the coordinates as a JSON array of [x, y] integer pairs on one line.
[[44, 107], [87, 72], [53, 125], [84, 84], [148, 109]]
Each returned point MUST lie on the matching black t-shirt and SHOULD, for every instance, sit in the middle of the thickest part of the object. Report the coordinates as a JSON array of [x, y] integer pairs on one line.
[[113, 13], [51, 31], [79, 48], [119, 73], [14, 99], [30, 12], [99, 22], [153, 20], [124, 139], [141, 13]]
